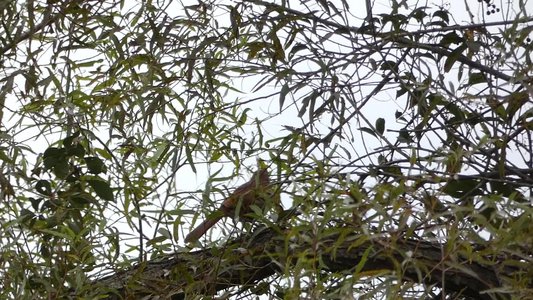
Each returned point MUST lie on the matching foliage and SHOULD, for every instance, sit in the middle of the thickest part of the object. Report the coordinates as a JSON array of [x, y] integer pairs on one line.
[[404, 123]]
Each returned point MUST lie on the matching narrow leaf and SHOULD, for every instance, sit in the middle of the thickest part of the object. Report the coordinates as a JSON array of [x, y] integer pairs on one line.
[[284, 90]]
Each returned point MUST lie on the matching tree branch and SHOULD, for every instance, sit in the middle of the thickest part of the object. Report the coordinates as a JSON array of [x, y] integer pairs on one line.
[[400, 37], [245, 261]]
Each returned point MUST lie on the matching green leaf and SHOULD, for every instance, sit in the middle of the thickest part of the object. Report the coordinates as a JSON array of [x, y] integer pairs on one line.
[[398, 115], [452, 57], [451, 38], [62, 169], [81, 199], [102, 189], [35, 202], [52, 156], [404, 136], [456, 111], [165, 232], [516, 100], [419, 13], [401, 91], [443, 15], [279, 53], [363, 260], [236, 20], [56, 233], [476, 78], [296, 48], [44, 187], [67, 142], [55, 159], [367, 130], [103, 153], [190, 160], [76, 150], [157, 240], [309, 103], [389, 65], [26, 214], [5, 158], [215, 156], [95, 165], [462, 187], [284, 90], [380, 125], [254, 48]]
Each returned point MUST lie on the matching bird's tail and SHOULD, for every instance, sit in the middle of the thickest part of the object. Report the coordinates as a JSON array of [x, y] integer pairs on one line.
[[201, 229]]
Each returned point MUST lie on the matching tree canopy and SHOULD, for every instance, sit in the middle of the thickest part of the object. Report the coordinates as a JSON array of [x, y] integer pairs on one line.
[[398, 136]]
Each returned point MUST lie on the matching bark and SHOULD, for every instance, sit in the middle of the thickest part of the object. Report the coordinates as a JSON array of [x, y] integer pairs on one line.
[[247, 260]]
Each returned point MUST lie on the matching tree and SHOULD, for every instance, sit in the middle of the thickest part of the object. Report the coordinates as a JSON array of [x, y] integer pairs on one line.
[[399, 142]]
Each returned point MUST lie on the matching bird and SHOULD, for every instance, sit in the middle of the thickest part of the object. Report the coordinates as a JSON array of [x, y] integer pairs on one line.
[[236, 204]]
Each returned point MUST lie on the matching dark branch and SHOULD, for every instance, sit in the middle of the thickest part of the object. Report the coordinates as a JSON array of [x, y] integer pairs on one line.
[[244, 262]]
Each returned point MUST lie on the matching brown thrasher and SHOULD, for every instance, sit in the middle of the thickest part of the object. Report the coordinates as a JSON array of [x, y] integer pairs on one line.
[[240, 200]]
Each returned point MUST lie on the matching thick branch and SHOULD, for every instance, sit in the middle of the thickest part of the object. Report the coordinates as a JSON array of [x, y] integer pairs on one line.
[[245, 261]]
